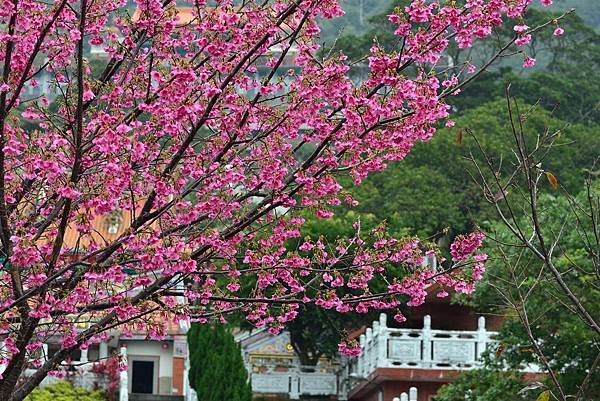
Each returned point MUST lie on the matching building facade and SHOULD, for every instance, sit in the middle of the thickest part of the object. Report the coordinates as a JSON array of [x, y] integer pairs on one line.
[[156, 370], [275, 370]]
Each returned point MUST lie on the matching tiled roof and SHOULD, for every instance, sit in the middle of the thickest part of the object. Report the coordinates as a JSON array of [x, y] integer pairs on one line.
[[105, 229]]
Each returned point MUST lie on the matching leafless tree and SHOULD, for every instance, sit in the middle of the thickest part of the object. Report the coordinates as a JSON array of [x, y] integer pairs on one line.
[[539, 272]]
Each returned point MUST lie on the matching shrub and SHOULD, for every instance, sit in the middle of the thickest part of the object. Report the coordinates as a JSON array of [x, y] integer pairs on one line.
[[65, 391]]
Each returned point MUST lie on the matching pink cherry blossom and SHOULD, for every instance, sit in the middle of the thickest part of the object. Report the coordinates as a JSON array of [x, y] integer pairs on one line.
[[520, 28], [523, 40], [528, 62], [399, 317], [88, 95], [172, 182], [352, 349]]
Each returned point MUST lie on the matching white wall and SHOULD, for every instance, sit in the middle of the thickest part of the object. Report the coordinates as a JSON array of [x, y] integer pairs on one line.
[[153, 348]]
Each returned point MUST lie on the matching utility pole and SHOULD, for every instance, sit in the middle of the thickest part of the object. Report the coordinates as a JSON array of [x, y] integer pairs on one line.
[[361, 12]]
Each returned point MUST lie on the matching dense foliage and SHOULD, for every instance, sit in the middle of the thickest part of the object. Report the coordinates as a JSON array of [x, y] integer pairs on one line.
[[217, 370], [486, 385], [568, 343], [432, 194]]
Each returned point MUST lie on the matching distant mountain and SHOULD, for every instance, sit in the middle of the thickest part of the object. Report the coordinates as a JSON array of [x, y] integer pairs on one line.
[[355, 21], [589, 10]]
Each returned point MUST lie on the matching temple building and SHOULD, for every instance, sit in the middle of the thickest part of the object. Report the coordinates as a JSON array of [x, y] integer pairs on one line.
[[438, 342]]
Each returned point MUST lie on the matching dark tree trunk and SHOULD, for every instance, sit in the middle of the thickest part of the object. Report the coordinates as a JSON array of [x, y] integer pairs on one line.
[[307, 352]]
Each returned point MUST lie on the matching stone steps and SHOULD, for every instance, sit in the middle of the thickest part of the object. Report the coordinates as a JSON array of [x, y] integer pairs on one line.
[[155, 397]]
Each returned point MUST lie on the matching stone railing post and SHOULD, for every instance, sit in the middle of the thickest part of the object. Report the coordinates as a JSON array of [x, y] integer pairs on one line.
[[481, 337], [427, 340], [375, 346], [361, 358], [382, 343], [369, 351], [295, 383], [45, 354], [83, 379], [412, 394], [123, 379]]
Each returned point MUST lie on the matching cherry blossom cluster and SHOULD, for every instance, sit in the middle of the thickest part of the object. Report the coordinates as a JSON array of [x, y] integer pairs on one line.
[[211, 130]]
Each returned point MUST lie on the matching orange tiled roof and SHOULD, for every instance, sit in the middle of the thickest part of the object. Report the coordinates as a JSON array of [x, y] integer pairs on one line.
[[105, 228], [185, 14]]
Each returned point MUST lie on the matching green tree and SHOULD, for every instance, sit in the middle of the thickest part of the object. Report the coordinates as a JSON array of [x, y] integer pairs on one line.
[[567, 341], [431, 195], [483, 385], [430, 191], [519, 287], [565, 80], [544, 274], [215, 357]]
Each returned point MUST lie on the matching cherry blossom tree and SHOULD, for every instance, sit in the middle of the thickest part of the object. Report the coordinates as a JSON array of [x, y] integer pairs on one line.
[[200, 140]]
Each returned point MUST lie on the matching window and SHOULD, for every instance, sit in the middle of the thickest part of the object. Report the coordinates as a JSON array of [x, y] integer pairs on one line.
[[54, 348], [114, 221], [94, 353]]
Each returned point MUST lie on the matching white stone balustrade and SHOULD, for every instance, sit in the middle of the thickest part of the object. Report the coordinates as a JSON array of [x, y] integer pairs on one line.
[[294, 381], [80, 376], [385, 347], [79, 373]]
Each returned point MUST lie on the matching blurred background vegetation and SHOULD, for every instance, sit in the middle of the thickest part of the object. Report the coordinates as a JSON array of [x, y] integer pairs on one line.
[[432, 193]]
